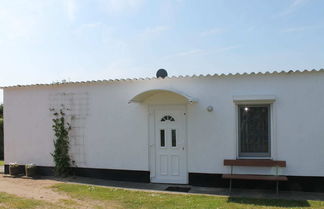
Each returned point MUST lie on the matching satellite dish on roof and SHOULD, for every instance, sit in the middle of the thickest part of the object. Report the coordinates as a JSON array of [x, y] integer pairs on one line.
[[161, 73]]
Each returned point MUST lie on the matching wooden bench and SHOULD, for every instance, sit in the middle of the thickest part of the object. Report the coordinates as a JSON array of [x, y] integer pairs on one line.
[[255, 163]]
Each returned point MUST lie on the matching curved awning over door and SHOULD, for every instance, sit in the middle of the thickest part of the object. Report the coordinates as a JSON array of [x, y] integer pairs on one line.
[[146, 94]]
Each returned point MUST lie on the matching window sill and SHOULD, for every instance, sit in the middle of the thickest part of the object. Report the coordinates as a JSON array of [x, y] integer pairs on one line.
[[254, 158]]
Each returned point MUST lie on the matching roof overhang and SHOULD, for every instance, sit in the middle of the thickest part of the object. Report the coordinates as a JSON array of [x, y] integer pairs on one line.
[[146, 94]]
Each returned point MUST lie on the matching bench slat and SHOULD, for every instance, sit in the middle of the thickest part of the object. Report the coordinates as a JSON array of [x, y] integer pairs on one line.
[[255, 177], [256, 163]]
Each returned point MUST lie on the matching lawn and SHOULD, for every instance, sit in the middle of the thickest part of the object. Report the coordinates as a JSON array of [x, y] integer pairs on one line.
[[85, 196], [1, 162], [12, 201], [122, 198]]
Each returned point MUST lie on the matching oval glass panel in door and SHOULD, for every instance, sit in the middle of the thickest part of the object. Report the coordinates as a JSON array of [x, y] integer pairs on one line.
[[173, 138]]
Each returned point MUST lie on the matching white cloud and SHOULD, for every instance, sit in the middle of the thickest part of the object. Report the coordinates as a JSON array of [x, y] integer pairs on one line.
[[19, 20], [121, 68], [212, 32], [301, 28], [154, 31], [102, 33], [195, 52], [295, 5], [71, 7], [227, 48], [88, 26], [116, 7], [294, 29], [188, 53], [150, 34]]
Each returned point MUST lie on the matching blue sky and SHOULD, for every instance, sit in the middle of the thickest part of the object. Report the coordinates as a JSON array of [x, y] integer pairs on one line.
[[42, 41]]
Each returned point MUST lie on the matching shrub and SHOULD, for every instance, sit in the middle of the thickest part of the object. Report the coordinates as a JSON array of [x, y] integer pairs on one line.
[[30, 170], [31, 165], [13, 165], [14, 169]]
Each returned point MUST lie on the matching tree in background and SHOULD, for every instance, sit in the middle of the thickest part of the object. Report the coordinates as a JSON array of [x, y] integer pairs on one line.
[[1, 110]]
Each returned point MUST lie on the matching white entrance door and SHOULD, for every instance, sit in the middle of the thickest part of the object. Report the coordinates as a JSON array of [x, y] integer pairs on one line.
[[170, 146]]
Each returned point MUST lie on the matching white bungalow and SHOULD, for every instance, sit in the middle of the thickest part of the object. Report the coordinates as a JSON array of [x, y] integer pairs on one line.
[[177, 129]]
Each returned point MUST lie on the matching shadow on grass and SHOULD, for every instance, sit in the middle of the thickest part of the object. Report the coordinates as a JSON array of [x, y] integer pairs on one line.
[[270, 202]]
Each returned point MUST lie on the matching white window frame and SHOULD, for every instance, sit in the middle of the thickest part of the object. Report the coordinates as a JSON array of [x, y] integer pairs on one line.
[[257, 100]]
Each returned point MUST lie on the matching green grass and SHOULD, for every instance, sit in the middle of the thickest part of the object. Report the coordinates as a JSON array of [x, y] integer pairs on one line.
[[144, 200], [12, 201], [101, 197], [1, 162]]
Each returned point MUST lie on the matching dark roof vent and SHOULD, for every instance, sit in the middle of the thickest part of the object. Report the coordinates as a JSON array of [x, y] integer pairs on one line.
[[161, 73]]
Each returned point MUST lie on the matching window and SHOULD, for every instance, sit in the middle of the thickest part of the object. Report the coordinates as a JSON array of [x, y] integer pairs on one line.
[[254, 130], [167, 118], [162, 137], [174, 138]]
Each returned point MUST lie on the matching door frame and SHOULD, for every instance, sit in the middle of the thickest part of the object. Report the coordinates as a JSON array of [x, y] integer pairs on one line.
[[152, 137]]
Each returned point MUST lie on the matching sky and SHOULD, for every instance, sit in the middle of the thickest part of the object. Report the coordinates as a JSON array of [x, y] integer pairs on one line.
[[45, 41]]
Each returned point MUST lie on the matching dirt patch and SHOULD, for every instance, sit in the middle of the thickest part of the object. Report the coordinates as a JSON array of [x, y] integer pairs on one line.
[[30, 188], [40, 189]]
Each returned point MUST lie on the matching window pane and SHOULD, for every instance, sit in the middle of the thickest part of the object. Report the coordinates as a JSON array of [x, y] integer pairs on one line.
[[254, 129], [167, 118], [174, 138], [162, 136]]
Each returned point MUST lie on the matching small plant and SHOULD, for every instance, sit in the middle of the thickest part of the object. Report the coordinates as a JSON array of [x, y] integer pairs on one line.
[[14, 169], [61, 130], [31, 165], [30, 170], [13, 165]]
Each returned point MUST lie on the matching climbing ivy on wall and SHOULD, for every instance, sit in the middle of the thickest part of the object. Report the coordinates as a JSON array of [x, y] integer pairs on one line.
[[61, 156]]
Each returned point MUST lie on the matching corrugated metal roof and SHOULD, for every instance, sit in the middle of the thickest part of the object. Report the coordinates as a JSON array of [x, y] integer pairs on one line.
[[172, 77]]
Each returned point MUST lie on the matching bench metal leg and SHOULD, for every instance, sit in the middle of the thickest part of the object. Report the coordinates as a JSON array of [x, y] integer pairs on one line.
[[230, 186], [277, 182]]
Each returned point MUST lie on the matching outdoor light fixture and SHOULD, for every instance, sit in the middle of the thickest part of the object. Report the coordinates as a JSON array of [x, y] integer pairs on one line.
[[246, 109], [210, 108]]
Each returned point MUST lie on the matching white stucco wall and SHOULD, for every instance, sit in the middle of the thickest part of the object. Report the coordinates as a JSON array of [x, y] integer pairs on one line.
[[116, 133]]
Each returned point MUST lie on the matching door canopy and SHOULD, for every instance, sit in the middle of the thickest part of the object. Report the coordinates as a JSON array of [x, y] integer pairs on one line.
[[146, 94]]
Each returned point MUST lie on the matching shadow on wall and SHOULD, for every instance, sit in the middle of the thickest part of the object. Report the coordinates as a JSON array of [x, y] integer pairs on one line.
[[270, 202]]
